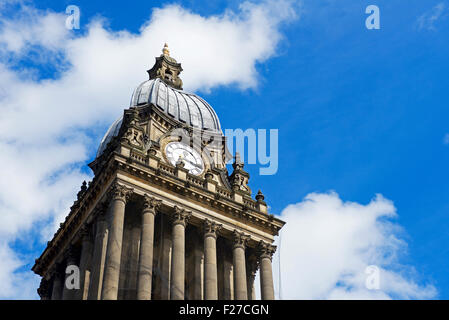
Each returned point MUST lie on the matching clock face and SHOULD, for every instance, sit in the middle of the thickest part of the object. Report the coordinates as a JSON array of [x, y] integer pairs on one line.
[[191, 158]]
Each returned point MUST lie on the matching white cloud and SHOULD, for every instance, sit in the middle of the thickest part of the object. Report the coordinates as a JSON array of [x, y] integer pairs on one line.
[[327, 244], [15, 285], [46, 125], [428, 19], [46, 136]]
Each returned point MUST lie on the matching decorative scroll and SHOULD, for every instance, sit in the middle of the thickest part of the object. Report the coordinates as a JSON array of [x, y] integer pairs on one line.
[[120, 192], [240, 239], [151, 204], [266, 250], [211, 228], [180, 216]]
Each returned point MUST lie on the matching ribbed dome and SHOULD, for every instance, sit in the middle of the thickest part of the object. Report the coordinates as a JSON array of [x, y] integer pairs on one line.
[[111, 133], [184, 107]]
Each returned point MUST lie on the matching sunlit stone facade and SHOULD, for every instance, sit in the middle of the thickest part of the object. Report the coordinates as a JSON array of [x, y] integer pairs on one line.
[[152, 227]]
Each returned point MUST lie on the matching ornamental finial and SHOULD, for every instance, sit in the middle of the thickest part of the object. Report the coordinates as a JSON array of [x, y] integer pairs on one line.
[[165, 50]]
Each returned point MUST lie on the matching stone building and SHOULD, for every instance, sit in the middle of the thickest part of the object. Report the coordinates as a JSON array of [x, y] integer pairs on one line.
[[162, 218]]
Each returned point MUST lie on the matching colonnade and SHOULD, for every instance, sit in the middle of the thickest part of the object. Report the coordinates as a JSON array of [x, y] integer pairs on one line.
[[100, 257]]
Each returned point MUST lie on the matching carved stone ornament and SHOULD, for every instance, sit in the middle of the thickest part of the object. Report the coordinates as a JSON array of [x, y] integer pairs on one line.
[[120, 192], [239, 178], [151, 204], [44, 289], [167, 69], [240, 239], [86, 232], [266, 250], [134, 137], [180, 216], [211, 228]]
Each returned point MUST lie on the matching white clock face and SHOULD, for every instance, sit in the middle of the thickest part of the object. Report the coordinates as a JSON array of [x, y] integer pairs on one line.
[[191, 158]]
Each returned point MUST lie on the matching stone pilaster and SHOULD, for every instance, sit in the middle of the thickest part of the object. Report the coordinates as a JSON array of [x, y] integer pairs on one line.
[[85, 263], [228, 278], [119, 196], [58, 282], [71, 260], [180, 218], [240, 286], [266, 272], [210, 260], [162, 270], [252, 266], [150, 206], [199, 272], [99, 255]]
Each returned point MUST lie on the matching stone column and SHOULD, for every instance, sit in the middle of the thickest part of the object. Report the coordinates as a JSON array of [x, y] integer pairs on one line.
[[163, 267], [134, 252], [150, 205], [266, 273], [210, 260], [70, 257], [180, 219], [199, 272], [251, 270], [240, 287], [99, 256], [228, 279], [120, 195], [85, 263], [58, 279]]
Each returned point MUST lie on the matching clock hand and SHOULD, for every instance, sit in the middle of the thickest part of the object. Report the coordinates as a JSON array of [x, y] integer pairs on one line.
[[193, 163]]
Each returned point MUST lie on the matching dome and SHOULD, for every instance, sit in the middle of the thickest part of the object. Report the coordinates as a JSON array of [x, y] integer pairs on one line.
[[111, 133], [184, 107]]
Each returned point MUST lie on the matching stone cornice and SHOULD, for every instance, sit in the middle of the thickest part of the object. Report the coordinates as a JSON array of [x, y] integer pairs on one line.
[[79, 212], [190, 188]]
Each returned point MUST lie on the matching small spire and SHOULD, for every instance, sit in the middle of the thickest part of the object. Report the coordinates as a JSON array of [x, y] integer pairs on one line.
[[259, 196], [238, 164], [165, 50]]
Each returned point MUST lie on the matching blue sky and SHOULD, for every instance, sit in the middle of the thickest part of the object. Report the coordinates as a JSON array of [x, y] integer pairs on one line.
[[359, 112]]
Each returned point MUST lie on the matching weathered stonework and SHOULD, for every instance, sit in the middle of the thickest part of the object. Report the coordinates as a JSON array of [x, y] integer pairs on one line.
[[128, 225]]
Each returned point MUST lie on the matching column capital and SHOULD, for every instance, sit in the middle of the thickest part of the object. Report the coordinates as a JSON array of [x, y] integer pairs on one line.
[[151, 204], [211, 228], [240, 239], [180, 216], [120, 192], [266, 250], [56, 270], [86, 233], [70, 255]]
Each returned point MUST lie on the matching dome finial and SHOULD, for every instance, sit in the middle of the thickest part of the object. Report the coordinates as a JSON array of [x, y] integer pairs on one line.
[[165, 50]]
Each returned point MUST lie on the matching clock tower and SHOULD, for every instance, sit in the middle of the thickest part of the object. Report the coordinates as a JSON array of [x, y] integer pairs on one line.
[[162, 218]]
